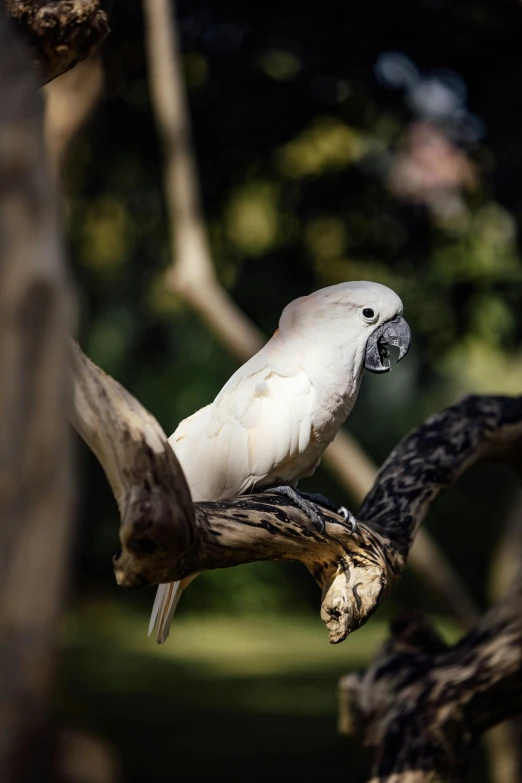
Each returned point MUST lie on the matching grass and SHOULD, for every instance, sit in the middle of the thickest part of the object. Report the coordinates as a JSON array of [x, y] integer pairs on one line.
[[226, 699]]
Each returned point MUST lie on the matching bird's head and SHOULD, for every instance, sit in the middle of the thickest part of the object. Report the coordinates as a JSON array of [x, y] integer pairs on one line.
[[367, 316]]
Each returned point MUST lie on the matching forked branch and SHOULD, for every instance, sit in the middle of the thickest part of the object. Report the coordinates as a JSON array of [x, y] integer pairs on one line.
[[165, 537]]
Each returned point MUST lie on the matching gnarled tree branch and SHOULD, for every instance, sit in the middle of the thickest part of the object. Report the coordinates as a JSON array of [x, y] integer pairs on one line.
[[59, 33], [422, 705], [164, 538]]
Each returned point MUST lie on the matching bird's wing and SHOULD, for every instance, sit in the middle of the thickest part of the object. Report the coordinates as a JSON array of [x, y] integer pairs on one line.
[[260, 420]]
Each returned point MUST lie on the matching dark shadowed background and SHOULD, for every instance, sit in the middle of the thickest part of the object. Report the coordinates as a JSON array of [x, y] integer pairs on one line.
[[335, 141]]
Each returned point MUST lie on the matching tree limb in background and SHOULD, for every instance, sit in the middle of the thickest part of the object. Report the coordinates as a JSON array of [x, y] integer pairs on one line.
[[35, 456], [165, 537], [192, 277], [59, 33], [422, 706], [70, 99]]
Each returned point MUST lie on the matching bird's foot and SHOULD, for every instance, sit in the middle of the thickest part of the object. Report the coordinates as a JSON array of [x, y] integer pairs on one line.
[[308, 504], [321, 500]]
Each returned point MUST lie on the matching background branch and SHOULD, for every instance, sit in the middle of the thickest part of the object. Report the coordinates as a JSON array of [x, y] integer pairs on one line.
[[70, 99], [192, 277]]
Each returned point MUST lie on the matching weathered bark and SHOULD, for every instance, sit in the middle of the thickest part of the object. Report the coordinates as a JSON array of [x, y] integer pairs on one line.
[[422, 705], [435, 454], [35, 488], [59, 33], [165, 538], [144, 474]]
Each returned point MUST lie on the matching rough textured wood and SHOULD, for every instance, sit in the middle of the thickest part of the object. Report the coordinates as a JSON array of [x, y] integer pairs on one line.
[[163, 539], [143, 472], [34, 444], [422, 706], [435, 454], [354, 572], [59, 33]]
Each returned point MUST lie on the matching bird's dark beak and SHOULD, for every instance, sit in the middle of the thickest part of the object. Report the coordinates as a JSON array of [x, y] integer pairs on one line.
[[395, 332]]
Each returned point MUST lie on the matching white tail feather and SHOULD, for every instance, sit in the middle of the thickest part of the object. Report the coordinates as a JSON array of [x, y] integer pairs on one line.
[[160, 592], [165, 603]]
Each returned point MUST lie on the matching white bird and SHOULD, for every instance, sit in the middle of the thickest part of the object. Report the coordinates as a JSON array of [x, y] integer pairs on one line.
[[272, 421]]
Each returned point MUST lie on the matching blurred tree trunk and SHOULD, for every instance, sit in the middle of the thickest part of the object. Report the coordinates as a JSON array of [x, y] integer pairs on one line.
[[35, 454]]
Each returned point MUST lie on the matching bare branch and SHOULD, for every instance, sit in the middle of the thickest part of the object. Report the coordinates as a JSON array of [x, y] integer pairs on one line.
[[164, 538], [192, 276], [35, 486], [143, 472], [435, 454], [59, 33], [422, 706]]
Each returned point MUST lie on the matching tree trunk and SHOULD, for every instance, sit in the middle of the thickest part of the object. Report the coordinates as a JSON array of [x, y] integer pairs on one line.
[[35, 455]]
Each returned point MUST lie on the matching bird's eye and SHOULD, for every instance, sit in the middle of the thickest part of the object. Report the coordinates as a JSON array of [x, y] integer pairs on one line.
[[368, 314]]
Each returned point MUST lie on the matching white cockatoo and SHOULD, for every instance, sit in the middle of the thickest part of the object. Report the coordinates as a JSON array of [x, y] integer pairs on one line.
[[270, 424]]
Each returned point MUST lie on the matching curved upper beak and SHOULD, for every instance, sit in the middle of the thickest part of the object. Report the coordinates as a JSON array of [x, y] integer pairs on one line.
[[395, 332]]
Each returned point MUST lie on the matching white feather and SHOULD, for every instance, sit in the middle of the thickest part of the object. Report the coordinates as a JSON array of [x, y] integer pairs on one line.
[[273, 419]]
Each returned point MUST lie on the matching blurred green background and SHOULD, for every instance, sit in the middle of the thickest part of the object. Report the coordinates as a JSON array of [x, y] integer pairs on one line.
[[335, 141]]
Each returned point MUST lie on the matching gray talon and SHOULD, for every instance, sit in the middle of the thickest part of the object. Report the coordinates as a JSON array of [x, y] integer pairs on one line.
[[300, 499], [348, 517], [309, 502]]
